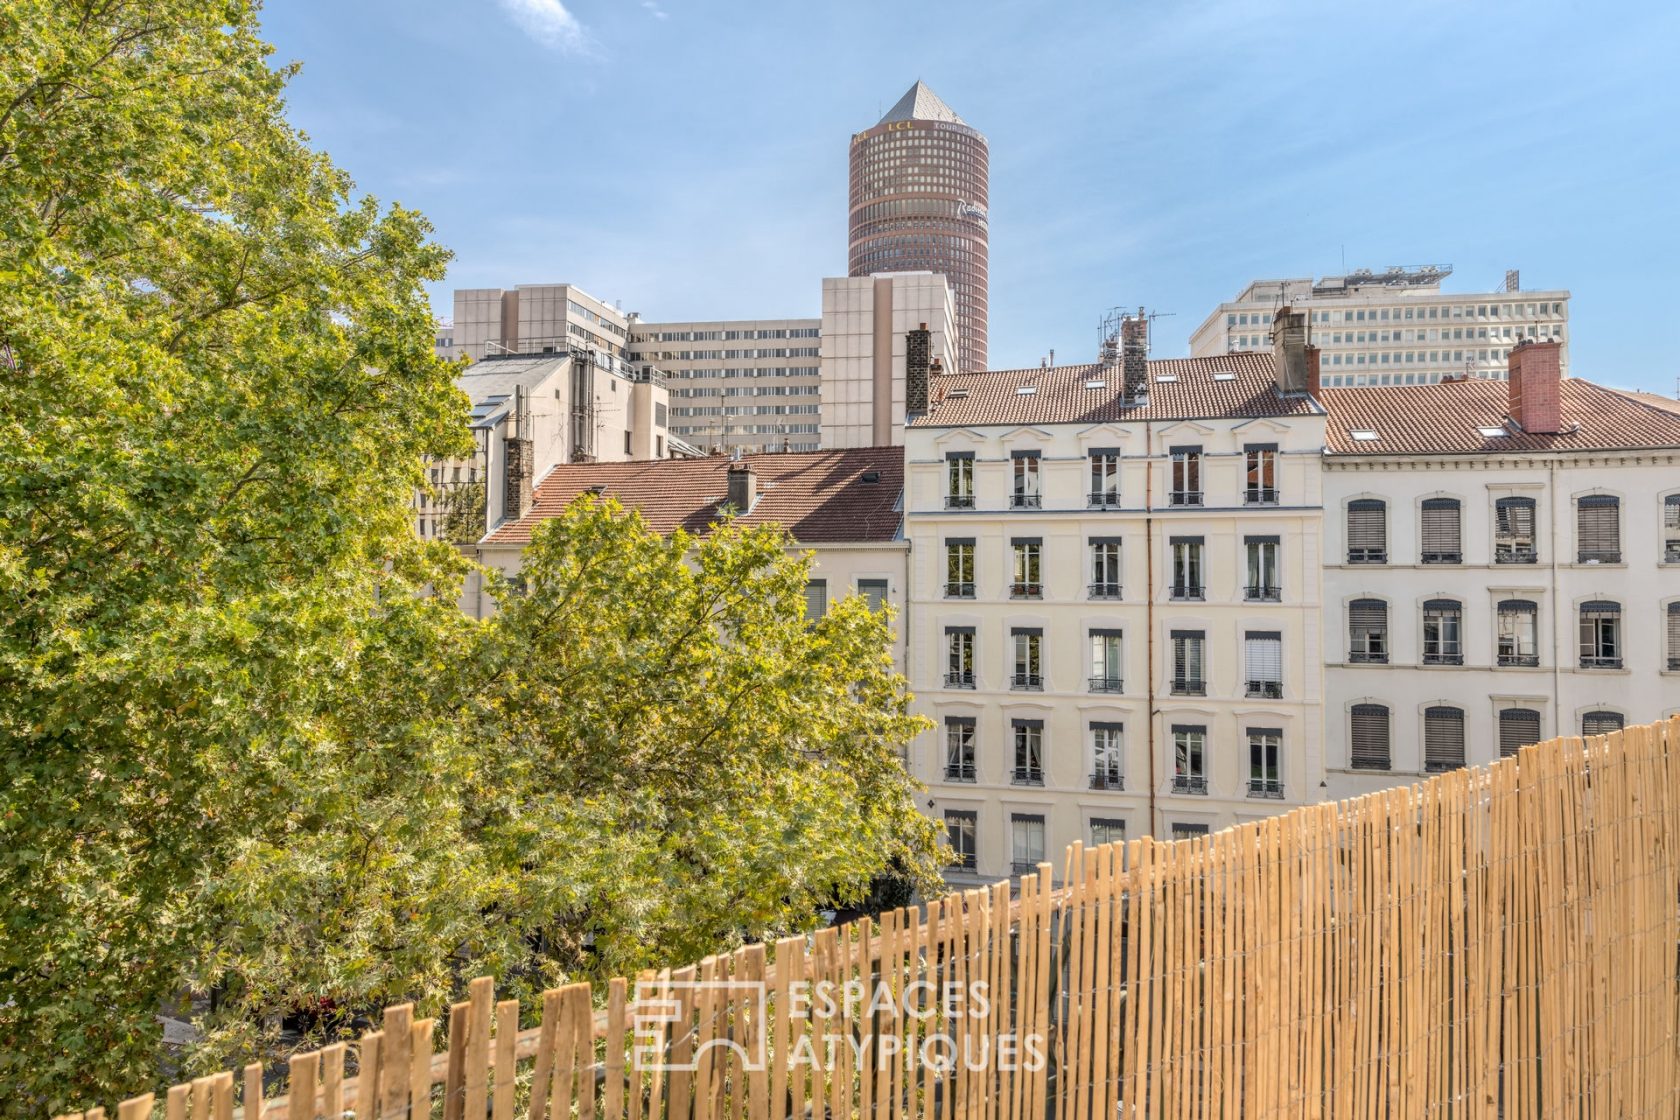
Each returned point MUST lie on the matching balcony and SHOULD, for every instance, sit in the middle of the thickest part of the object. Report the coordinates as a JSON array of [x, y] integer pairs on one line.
[[1185, 498], [1260, 496], [1519, 660], [1104, 590], [959, 501], [1599, 556], [1192, 784], [1024, 866], [1368, 657], [1265, 690], [1026, 776], [1367, 556], [1369, 761], [1266, 787], [1674, 664], [1103, 499], [1189, 591], [963, 862], [1671, 552], [1026, 591], [1026, 682], [1596, 661], [1515, 554], [1442, 558], [963, 678], [959, 772], [1108, 779], [1189, 686], [1443, 659], [1106, 684], [1024, 501], [959, 590], [1262, 593]]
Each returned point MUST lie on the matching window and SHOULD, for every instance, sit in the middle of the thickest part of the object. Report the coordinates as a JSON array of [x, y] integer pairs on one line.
[[1027, 583], [1189, 759], [1265, 750], [1443, 632], [1027, 768], [874, 592], [1516, 641], [959, 657], [1188, 663], [1518, 727], [1367, 531], [1440, 532], [1263, 663], [816, 599], [1601, 635], [1105, 661], [1028, 666], [1105, 476], [1105, 568], [1262, 584], [959, 568], [1671, 529], [1105, 830], [1368, 632], [959, 749], [1186, 476], [1598, 528], [1185, 831], [1026, 842], [960, 828], [1368, 737], [1513, 531], [1443, 739], [959, 480], [1261, 487], [1026, 492], [1673, 661], [1105, 756], [1187, 568], [1601, 723]]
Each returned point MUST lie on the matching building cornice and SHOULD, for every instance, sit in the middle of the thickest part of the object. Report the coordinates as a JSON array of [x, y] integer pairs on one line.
[[1633, 457]]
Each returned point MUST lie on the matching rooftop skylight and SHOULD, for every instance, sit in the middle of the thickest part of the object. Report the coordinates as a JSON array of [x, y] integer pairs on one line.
[[1096, 384], [1224, 377], [1363, 434], [1493, 433], [1166, 379], [1025, 390]]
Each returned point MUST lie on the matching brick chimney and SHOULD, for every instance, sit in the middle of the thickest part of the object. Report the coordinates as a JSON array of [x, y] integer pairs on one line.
[[1134, 356], [1314, 383], [743, 488], [1534, 371], [918, 350], [1289, 348]]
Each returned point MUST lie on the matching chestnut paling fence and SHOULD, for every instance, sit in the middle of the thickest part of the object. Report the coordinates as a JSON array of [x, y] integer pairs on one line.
[[1498, 941]]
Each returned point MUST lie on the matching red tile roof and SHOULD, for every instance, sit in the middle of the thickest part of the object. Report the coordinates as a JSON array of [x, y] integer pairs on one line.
[[818, 496], [1444, 418], [1060, 395]]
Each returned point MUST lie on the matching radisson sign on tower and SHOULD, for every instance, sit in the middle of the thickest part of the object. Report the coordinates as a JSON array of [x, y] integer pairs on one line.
[[918, 203]]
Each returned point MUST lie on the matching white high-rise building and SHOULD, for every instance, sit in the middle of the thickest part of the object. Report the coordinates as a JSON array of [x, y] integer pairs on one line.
[[1395, 327], [539, 319], [867, 324]]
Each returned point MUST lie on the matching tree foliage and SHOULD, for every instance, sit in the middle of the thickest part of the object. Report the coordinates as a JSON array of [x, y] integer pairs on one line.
[[247, 743]]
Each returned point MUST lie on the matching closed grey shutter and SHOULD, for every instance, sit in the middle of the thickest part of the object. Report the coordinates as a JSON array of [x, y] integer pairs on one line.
[[1369, 737], [1367, 531], [1368, 630], [1598, 526], [1441, 544], [1518, 727], [1671, 529], [1601, 723], [1443, 738], [1674, 635]]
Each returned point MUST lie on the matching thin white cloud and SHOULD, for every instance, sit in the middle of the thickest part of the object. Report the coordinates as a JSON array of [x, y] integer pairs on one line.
[[549, 23], [655, 10]]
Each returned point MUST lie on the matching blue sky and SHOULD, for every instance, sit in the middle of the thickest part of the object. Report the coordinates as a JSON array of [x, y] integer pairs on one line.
[[688, 158]]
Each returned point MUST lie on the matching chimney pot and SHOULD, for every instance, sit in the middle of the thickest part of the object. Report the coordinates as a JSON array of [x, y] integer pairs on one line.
[[1289, 348], [1534, 374], [743, 488]]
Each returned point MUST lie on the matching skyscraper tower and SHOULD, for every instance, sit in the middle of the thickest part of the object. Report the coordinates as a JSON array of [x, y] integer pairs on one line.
[[918, 203]]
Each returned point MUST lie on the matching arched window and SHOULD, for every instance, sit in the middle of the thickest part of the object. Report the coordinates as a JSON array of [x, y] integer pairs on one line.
[[1443, 738], [1367, 531], [1443, 632], [1368, 737], [1441, 539], [1601, 723], [1513, 531], [1518, 728], [1368, 632], [1601, 634], [1598, 529]]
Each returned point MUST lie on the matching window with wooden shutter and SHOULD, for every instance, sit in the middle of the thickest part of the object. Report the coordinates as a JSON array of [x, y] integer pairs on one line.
[[1441, 537], [1598, 529], [1671, 529], [1601, 723], [1367, 531], [1513, 531], [1518, 728], [1443, 738], [1368, 741], [1674, 636], [1368, 632], [1601, 635]]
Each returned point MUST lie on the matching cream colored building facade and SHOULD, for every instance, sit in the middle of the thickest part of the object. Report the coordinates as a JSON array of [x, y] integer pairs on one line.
[[866, 325], [1114, 623]]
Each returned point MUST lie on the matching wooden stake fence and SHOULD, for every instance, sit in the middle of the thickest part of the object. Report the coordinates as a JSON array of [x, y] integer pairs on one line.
[[1499, 941]]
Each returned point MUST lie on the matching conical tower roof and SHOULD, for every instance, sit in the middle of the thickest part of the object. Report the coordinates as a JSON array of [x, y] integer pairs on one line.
[[921, 104]]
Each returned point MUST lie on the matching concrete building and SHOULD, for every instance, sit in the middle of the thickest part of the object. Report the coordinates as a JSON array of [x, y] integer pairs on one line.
[[538, 318], [1395, 327], [747, 385], [531, 413], [443, 339], [868, 323], [1115, 616], [1502, 565], [845, 506], [918, 197]]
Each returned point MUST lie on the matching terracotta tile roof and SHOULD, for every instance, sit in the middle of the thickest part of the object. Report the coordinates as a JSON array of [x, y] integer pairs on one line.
[[1060, 395], [1444, 418], [818, 496]]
